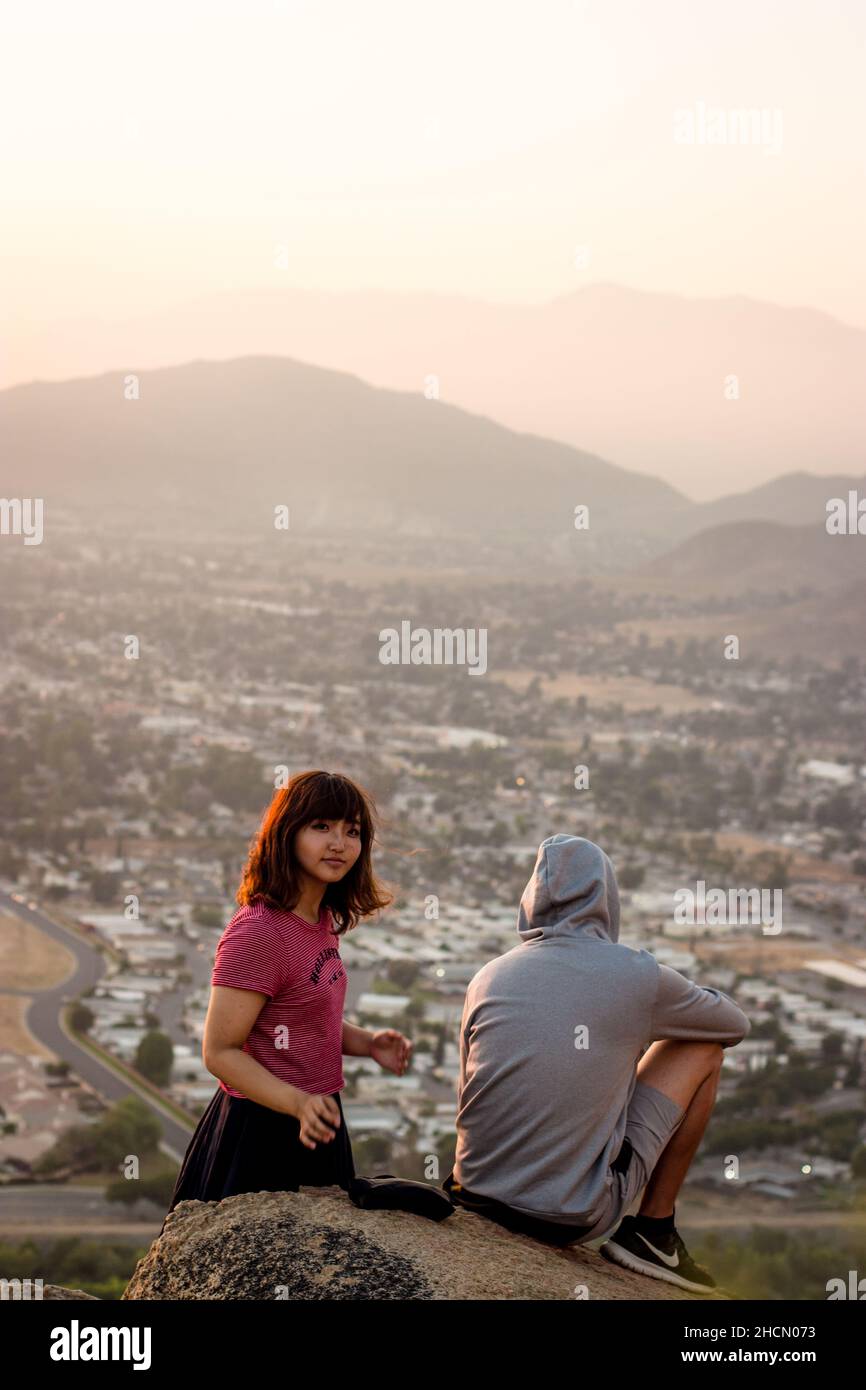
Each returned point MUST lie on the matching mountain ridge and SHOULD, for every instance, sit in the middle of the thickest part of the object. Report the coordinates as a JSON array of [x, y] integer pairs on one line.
[[637, 376], [341, 447]]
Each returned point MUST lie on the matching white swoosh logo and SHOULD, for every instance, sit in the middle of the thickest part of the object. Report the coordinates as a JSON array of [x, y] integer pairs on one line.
[[670, 1260]]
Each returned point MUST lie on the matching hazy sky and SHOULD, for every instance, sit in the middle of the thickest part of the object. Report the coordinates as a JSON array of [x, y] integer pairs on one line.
[[155, 152]]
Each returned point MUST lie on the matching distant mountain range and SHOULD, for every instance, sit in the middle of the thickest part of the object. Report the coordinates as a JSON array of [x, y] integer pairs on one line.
[[762, 556], [229, 441], [638, 378], [220, 444]]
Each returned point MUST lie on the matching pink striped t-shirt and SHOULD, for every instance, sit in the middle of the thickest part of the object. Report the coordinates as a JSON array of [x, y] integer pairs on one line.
[[298, 1034]]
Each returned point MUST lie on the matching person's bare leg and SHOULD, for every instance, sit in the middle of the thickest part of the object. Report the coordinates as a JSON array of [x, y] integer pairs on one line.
[[677, 1068], [666, 1179]]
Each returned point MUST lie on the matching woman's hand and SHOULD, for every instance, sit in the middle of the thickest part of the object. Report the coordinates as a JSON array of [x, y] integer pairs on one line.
[[317, 1114], [391, 1050]]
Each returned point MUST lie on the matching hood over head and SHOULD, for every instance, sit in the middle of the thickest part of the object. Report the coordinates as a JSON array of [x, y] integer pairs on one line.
[[572, 892]]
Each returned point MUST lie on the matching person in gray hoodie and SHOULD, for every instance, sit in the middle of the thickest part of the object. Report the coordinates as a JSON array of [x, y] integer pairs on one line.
[[588, 1071]]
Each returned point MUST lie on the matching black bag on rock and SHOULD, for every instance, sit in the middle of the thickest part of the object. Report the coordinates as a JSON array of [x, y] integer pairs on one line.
[[400, 1194]]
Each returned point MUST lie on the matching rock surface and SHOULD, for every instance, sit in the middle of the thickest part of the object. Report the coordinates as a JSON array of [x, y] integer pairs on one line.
[[57, 1291], [314, 1244]]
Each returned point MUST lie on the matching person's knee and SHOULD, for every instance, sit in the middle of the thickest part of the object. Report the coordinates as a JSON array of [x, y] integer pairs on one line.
[[710, 1055], [689, 1050], [694, 1047], [680, 1066]]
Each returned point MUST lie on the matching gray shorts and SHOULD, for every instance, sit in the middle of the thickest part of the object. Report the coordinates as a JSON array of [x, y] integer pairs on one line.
[[651, 1119]]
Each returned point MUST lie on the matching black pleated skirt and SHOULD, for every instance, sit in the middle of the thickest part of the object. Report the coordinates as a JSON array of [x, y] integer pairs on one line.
[[241, 1146]]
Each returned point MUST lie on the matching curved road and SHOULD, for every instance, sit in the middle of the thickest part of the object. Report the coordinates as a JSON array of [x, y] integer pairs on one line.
[[43, 1020]]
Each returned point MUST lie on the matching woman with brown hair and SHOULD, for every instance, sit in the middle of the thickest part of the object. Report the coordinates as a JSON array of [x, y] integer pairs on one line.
[[274, 1034]]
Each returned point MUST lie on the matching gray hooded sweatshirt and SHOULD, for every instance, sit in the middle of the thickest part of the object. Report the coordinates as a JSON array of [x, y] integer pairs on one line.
[[551, 1036]]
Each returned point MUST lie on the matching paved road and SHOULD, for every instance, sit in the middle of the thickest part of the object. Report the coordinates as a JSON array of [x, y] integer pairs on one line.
[[43, 1020], [49, 1208]]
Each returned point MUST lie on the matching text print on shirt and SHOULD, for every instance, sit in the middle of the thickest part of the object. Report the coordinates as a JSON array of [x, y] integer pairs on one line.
[[297, 966], [320, 962]]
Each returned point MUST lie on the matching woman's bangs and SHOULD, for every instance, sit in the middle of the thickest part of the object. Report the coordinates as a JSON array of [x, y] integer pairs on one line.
[[336, 800]]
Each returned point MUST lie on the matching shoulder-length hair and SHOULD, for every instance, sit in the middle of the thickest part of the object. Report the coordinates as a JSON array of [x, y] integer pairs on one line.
[[271, 872]]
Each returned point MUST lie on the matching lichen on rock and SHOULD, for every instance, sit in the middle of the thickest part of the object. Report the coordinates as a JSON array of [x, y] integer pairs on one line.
[[316, 1245]]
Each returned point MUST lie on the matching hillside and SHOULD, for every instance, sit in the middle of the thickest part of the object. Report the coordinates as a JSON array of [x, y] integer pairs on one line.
[[227, 441], [763, 556], [215, 446], [795, 499], [632, 376]]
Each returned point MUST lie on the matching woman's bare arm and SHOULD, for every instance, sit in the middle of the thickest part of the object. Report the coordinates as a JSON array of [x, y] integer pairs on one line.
[[230, 1016], [356, 1041]]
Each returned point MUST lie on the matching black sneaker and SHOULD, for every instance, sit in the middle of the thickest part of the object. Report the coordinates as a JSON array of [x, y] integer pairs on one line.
[[662, 1258]]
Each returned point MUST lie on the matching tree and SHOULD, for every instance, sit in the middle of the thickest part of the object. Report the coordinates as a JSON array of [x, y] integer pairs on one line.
[[105, 888], [129, 1127], [206, 916], [831, 1047], [838, 811], [159, 1188], [631, 876], [403, 973], [154, 1057], [371, 1151], [80, 1018]]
